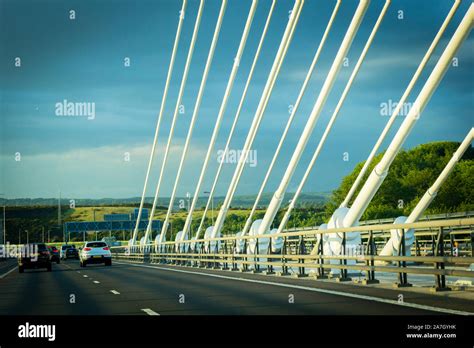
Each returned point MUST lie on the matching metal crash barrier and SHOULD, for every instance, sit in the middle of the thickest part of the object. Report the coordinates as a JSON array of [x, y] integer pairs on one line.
[[302, 254]]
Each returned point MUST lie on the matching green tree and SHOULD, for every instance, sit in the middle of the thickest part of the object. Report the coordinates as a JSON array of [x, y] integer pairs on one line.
[[411, 174]]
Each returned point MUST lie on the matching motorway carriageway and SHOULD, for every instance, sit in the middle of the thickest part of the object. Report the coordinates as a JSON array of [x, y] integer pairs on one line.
[[137, 289]]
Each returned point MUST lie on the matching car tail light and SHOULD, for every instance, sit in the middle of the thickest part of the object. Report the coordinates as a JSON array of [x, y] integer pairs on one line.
[[106, 248], [87, 249]]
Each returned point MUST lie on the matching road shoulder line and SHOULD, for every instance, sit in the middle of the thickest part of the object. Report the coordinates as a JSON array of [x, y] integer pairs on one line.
[[326, 291], [8, 272]]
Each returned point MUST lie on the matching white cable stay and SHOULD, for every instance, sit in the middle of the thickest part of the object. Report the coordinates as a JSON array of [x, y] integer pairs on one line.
[[333, 118], [277, 198], [202, 87], [291, 118], [282, 50], [378, 174], [391, 248], [222, 109], [431, 193], [400, 104], [176, 110], [236, 117], [160, 115]]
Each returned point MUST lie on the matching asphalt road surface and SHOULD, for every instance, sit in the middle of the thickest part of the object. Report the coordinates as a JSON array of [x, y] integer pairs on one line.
[[128, 289]]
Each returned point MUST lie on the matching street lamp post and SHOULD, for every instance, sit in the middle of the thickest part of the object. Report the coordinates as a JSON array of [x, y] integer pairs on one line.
[[4, 226], [4, 222], [93, 211]]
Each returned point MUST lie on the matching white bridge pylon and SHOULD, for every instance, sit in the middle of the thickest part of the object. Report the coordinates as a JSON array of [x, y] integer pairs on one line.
[[346, 215]]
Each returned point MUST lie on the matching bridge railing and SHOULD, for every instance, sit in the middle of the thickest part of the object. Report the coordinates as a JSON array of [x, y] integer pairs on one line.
[[301, 253]]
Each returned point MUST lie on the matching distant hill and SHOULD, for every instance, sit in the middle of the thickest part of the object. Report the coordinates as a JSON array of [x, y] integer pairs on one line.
[[244, 201]]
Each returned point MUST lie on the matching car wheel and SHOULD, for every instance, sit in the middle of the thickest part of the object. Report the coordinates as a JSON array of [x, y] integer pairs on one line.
[[48, 268], [108, 263], [21, 269], [84, 264], [58, 261]]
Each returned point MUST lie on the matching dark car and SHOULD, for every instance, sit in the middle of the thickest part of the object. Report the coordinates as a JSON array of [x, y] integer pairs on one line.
[[54, 254], [34, 255], [67, 253], [72, 253]]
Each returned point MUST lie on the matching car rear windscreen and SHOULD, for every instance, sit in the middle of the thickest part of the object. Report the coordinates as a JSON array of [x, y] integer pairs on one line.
[[96, 245]]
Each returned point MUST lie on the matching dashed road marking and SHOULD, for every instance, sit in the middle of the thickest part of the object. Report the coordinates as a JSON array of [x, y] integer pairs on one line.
[[85, 276], [149, 311], [97, 282], [115, 292]]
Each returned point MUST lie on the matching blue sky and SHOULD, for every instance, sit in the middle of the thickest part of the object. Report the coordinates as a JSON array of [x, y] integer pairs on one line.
[[82, 60]]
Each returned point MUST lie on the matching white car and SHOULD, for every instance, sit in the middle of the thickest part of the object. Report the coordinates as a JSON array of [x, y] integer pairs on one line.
[[95, 252]]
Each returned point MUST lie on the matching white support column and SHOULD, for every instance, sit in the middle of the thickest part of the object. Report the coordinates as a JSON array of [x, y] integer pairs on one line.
[[401, 103], [318, 106], [236, 117], [205, 75], [379, 173], [287, 36], [160, 115], [292, 115], [176, 110], [431, 193], [333, 118]]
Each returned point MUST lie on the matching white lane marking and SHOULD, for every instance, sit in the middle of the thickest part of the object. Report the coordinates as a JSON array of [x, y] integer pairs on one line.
[[97, 282], [8, 272], [85, 276], [325, 291], [149, 311], [115, 292]]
